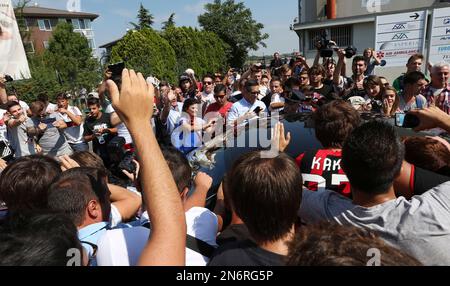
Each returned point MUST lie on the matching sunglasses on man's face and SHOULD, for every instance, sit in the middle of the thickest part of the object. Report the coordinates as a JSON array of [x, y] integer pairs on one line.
[[207, 83], [220, 95]]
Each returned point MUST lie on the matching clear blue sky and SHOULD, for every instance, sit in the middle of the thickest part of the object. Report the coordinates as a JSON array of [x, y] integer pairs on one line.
[[116, 14]]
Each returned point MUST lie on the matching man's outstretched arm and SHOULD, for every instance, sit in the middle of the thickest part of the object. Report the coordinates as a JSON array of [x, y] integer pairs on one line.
[[167, 242]]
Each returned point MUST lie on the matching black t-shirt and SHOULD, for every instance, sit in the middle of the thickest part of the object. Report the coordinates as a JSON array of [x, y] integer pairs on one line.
[[92, 124], [267, 100], [245, 253], [233, 233], [425, 180], [325, 90], [276, 63]]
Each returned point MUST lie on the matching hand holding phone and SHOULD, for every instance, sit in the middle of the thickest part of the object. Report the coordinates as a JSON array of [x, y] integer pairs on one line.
[[116, 73], [406, 120]]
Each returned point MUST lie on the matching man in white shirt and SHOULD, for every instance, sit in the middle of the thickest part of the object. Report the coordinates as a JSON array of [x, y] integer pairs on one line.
[[122, 247], [171, 111], [72, 117], [248, 107]]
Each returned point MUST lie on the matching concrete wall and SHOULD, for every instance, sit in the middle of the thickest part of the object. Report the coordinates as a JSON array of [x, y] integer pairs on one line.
[[314, 10]]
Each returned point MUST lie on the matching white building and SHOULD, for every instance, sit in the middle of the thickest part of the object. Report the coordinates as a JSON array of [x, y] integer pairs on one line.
[[353, 22]]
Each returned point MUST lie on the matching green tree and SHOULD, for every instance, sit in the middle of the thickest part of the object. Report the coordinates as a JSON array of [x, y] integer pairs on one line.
[[170, 23], [234, 24], [147, 52], [145, 19], [200, 50], [70, 55], [67, 66]]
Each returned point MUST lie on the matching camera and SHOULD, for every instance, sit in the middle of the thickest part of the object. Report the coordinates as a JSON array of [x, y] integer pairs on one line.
[[327, 47], [116, 73], [8, 78], [120, 157]]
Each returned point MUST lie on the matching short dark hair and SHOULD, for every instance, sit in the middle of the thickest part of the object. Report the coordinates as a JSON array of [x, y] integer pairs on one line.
[[266, 194], [413, 77], [359, 59], [249, 84], [220, 88], [317, 69], [372, 157], [330, 244], [208, 76], [88, 159], [11, 104], [61, 95], [37, 239], [433, 156], [415, 57], [188, 103], [93, 101], [72, 191], [24, 183], [37, 107], [179, 166], [291, 82], [334, 122]]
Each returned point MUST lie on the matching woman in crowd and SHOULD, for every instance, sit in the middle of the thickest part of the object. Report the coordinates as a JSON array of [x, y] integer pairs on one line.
[[391, 101]]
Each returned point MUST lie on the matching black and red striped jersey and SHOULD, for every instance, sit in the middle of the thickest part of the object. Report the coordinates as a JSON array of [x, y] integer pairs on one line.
[[322, 169]]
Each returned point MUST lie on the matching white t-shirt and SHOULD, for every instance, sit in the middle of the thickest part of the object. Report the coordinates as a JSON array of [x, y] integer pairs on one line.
[[276, 98], [51, 107], [74, 134], [241, 107], [185, 138], [24, 107], [122, 247], [122, 130]]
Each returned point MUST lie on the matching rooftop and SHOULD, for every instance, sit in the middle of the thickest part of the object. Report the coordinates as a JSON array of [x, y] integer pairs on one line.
[[36, 11]]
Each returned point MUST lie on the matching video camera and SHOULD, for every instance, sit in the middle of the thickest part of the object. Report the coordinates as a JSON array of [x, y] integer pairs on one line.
[[326, 47], [120, 157], [8, 78]]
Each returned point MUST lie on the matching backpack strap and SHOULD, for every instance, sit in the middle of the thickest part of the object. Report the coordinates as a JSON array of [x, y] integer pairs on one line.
[[195, 244], [199, 246]]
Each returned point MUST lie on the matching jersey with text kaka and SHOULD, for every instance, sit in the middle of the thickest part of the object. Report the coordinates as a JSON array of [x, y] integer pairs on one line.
[[322, 169]]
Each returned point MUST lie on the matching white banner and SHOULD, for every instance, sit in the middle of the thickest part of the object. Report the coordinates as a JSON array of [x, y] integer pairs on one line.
[[398, 36], [13, 60], [440, 36]]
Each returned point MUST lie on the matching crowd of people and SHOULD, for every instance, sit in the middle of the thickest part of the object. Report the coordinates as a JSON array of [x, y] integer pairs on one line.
[[116, 187]]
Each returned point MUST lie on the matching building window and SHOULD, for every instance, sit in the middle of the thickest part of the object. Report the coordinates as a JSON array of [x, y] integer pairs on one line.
[[341, 35], [46, 45], [87, 23], [91, 43], [44, 25], [76, 24], [29, 47]]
